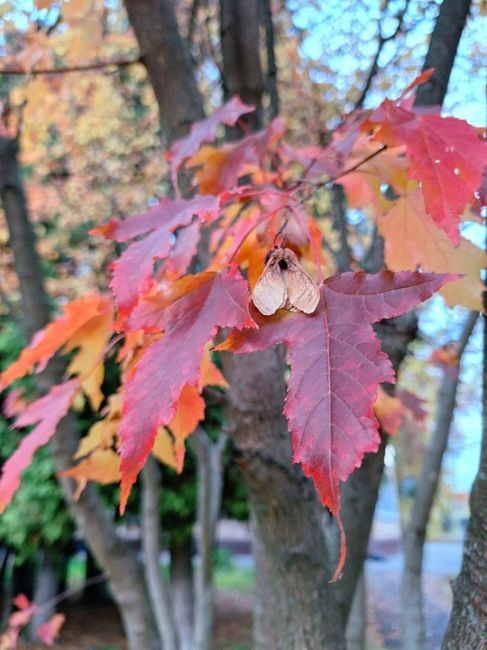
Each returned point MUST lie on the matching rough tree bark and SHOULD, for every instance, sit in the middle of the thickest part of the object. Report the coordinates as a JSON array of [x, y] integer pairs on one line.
[[94, 521], [167, 58], [286, 515], [414, 633], [356, 634]]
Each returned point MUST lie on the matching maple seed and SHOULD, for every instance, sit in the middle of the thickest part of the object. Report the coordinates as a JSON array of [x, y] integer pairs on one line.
[[283, 284]]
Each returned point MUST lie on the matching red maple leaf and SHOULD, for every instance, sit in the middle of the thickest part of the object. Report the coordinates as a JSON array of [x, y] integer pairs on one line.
[[132, 272], [48, 631], [205, 131], [336, 368], [47, 412], [446, 156], [210, 301]]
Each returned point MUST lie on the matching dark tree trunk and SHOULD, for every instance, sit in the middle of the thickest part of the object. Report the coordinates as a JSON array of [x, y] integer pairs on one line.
[[242, 73], [168, 62], [50, 572], [117, 559], [182, 591], [94, 594], [22, 241], [442, 51]]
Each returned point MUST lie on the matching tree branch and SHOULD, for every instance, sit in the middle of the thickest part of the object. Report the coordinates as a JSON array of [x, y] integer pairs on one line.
[[98, 65], [374, 68]]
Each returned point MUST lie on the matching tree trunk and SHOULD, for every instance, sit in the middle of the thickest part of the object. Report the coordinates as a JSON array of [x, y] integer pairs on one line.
[[467, 627], [151, 530], [116, 558], [210, 482], [356, 635], [242, 73], [288, 519], [48, 580], [166, 56], [94, 594], [442, 51], [414, 633], [182, 592]]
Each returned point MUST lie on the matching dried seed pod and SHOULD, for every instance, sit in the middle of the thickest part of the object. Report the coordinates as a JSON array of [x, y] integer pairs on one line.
[[283, 284]]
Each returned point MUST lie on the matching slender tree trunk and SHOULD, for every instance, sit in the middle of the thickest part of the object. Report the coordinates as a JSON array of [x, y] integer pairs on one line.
[[414, 633], [151, 529], [182, 592], [48, 580], [116, 558], [210, 482], [467, 627]]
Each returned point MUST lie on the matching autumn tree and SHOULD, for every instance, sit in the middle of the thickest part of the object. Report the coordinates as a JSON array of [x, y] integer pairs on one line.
[[232, 250]]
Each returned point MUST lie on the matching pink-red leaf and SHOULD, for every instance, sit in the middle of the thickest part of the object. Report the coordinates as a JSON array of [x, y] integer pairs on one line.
[[446, 156], [47, 412], [210, 301], [336, 368], [205, 131], [48, 631], [132, 272]]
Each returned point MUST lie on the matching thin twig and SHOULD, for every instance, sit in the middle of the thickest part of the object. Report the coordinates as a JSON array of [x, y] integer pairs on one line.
[[66, 69], [374, 68], [70, 592]]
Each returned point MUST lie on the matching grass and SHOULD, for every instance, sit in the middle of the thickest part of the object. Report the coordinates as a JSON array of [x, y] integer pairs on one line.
[[232, 578], [228, 577]]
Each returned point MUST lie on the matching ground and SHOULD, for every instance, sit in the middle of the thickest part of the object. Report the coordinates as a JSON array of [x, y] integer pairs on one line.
[[90, 628]]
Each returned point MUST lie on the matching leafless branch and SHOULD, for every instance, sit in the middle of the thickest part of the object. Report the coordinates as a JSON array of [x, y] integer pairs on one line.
[[374, 68], [99, 65]]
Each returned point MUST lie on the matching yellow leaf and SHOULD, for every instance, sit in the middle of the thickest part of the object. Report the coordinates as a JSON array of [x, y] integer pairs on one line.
[[101, 433], [210, 374], [163, 448], [102, 466], [190, 411], [390, 411], [91, 339], [412, 240]]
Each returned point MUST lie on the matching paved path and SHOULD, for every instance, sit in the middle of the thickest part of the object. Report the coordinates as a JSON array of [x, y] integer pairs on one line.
[[442, 563]]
